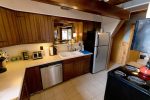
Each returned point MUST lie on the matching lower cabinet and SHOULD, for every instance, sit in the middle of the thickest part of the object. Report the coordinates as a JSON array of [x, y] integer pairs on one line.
[[33, 79], [24, 92], [75, 67], [32, 82], [71, 68]]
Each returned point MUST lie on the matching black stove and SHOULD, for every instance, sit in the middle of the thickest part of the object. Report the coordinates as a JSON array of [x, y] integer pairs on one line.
[[124, 83]]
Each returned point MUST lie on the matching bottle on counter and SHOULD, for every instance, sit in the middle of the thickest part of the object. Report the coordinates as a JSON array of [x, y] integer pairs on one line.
[[52, 50]]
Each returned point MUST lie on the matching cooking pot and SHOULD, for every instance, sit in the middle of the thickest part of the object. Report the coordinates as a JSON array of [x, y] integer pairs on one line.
[[145, 71]]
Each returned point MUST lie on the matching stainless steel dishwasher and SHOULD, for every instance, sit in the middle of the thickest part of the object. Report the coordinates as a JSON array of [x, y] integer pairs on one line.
[[51, 75]]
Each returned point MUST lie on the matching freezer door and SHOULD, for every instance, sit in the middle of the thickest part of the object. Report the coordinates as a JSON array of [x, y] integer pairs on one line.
[[100, 58], [96, 39], [103, 39]]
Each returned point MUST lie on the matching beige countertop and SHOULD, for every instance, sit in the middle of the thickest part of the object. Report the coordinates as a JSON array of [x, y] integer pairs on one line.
[[11, 80]]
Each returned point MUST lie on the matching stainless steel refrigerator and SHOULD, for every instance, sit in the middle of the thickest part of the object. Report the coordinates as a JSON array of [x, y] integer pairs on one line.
[[98, 44], [101, 49]]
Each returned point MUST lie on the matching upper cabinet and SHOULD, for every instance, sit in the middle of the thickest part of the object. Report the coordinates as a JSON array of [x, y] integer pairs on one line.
[[34, 28], [22, 28], [8, 28]]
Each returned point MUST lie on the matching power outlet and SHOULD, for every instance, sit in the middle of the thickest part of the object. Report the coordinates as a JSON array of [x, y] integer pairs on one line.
[[41, 47]]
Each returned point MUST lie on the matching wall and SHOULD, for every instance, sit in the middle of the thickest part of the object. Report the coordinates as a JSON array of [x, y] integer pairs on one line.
[[47, 9], [42, 8], [123, 39], [148, 12], [134, 18], [109, 24], [17, 49]]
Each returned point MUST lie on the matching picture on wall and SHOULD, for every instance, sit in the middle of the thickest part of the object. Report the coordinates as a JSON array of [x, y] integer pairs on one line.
[[141, 38]]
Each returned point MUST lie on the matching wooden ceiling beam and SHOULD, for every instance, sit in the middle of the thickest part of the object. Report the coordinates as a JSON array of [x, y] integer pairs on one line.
[[92, 6]]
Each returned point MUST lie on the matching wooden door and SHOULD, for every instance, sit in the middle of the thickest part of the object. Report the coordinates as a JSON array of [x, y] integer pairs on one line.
[[45, 28], [81, 65], [27, 27], [24, 92], [75, 67], [8, 28], [35, 28], [33, 79], [86, 64], [68, 70]]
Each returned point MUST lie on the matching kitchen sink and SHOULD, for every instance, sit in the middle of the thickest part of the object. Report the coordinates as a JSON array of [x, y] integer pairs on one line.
[[70, 54]]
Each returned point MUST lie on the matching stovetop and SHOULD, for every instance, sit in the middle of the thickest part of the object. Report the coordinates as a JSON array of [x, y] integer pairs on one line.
[[131, 74]]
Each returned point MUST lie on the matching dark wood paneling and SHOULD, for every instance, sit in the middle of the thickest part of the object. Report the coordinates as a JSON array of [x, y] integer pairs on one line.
[[28, 29], [68, 71], [8, 28], [22, 28], [90, 26], [75, 67], [94, 6], [24, 92], [33, 79], [35, 28]]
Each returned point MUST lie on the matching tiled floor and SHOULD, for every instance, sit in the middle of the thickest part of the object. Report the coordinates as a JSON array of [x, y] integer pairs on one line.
[[86, 87]]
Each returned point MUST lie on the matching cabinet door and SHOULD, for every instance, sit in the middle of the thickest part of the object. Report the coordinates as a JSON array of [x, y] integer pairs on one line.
[[35, 28], [68, 70], [86, 64], [8, 28], [45, 28], [75, 67], [24, 92], [81, 65], [33, 80], [27, 27]]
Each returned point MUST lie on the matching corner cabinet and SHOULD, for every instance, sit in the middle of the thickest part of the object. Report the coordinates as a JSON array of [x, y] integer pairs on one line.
[[33, 79], [32, 82], [75, 67]]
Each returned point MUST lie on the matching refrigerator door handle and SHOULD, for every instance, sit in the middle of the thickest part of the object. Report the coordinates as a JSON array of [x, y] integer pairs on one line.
[[98, 39], [96, 52]]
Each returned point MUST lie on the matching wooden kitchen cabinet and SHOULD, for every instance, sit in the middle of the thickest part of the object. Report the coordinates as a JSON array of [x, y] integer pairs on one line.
[[8, 28], [22, 28], [75, 67], [33, 79], [24, 92], [35, 28]]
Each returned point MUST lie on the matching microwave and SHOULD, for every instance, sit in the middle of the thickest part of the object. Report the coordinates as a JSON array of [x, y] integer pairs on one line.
[[37, 55]]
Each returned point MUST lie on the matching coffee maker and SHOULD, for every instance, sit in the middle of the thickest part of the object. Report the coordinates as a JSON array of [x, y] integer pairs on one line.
[[2, 68]]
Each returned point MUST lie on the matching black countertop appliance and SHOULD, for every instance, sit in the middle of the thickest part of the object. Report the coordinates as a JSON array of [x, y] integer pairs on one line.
[[2, 68], [124, 83]]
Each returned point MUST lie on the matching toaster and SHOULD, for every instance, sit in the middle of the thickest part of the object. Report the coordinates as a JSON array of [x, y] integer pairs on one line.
[[37, 55]]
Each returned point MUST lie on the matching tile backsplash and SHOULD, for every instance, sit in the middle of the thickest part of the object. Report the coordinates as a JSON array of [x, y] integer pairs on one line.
[[14, 51], [17, 49]]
